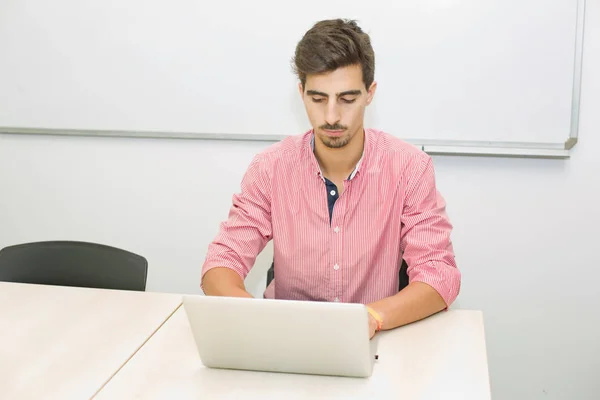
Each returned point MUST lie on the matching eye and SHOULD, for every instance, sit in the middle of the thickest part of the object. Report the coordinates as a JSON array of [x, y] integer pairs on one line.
[[317, 100], [348, 101]]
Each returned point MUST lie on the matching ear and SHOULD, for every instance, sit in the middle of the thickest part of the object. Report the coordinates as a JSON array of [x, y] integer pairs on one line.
[[371, 92], [301, 89]]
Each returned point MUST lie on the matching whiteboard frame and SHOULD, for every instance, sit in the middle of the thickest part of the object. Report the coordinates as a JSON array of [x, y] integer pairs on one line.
[[433, 147]]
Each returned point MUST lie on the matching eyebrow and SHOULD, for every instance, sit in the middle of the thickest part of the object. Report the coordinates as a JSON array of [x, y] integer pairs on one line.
[[346, 93]]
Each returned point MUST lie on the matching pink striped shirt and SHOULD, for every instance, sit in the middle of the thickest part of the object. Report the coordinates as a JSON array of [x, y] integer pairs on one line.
[[390, 209]]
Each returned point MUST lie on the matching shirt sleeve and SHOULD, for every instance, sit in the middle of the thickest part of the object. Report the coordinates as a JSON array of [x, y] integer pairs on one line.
[[247, 229], [425, 239]]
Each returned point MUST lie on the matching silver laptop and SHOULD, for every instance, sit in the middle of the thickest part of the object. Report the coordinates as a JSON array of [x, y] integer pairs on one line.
[[290, 336]]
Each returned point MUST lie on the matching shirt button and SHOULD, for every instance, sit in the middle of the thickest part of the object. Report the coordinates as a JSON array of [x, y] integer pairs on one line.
[[336, 267], [337, 229], [332, 193]]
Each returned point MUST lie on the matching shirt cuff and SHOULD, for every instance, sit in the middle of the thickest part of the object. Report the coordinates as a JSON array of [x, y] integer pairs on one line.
[[445, 279]]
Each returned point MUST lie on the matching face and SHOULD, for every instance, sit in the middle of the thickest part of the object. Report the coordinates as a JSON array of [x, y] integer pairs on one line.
[[335, 103]]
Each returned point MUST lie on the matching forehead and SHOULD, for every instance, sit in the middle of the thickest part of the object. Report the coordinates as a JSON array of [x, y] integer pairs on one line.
[[339, 80]]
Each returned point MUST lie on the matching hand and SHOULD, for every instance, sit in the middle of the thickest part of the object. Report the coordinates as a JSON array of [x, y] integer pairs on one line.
[[372, 326]]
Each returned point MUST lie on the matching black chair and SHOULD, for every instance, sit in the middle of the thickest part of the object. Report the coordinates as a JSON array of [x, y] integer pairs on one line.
[[402, 279], [72, 263]]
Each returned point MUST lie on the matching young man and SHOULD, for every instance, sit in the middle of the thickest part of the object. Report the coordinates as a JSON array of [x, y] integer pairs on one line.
[[343, 204]]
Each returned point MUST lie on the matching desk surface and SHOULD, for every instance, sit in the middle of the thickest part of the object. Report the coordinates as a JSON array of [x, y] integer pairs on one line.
[[443, 356], [65, 343]]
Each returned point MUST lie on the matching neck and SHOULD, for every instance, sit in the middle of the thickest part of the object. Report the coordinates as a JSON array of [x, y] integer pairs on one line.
[[339, 163]]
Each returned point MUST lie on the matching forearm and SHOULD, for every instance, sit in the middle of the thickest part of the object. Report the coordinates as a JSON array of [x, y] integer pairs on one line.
[[222, 281], [415, 302]]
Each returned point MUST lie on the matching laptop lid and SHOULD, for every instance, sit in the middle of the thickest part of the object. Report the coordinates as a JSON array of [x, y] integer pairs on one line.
[[281, 335]]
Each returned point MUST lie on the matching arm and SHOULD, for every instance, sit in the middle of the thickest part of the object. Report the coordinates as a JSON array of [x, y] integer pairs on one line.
[[427, 248], [242, 237], [223, 281], [416, 301]]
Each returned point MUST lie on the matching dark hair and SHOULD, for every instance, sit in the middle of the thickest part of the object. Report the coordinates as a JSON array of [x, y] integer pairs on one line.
[[332, 44]]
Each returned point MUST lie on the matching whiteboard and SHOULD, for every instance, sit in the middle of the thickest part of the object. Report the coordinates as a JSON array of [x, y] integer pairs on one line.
[[447, 70]]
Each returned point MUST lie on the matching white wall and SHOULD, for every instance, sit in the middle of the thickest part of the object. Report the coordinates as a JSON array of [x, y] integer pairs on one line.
[[162, 199], [526, 231]]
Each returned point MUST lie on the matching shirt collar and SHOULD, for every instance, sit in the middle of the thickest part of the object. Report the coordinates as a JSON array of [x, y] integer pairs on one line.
[[354, 171]]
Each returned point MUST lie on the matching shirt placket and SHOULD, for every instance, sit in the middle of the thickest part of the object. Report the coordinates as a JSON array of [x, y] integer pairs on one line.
[[337, 245]]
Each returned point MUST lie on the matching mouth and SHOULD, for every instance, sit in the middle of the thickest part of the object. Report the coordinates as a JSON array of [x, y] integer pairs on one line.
[[335, 133]]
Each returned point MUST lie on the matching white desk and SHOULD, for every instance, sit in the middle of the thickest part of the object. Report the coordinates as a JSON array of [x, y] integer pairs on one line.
[[442, 357], [65, 343]]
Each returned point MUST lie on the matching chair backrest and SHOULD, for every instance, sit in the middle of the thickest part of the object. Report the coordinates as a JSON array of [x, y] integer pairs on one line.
[[73, 263], [402, 278]]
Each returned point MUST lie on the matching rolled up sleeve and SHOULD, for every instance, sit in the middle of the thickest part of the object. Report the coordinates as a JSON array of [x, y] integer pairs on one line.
[[247, 229], [426, 228]]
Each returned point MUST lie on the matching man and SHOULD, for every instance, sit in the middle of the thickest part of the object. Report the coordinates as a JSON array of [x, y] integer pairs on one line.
[[343, 204]]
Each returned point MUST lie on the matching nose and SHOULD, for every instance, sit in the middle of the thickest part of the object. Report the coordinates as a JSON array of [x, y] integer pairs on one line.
[[332, 113]]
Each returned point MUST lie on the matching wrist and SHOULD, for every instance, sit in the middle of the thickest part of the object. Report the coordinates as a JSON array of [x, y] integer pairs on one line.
[[376, 317]]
